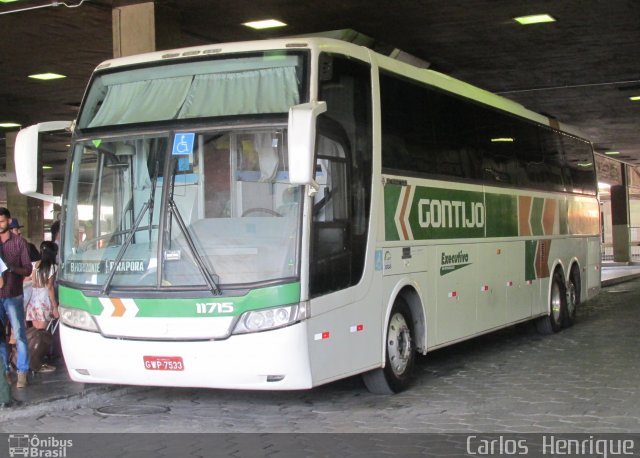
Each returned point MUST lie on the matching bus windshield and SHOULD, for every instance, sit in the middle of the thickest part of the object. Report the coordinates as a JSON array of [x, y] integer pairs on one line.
[[176, 208]]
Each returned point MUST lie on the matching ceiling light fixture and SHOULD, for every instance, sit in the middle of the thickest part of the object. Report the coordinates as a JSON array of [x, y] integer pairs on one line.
[[47, 76], [635, 98], [502, 140], [534, 19], [612, 153], [266, 24], [46, 167], [9, 125]]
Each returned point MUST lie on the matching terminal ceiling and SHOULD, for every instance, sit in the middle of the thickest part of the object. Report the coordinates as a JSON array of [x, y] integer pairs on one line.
[[581, 69]]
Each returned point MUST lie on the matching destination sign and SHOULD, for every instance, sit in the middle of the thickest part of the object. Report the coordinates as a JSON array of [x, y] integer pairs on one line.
[[126, 266]]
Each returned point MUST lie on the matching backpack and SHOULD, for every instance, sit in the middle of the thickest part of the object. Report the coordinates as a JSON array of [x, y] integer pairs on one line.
[[39, 345]]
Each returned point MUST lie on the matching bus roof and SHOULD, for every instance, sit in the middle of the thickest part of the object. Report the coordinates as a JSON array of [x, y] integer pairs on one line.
[[430, 77]]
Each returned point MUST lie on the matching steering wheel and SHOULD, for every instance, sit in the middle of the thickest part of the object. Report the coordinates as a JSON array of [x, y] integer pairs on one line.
[[260, 209]]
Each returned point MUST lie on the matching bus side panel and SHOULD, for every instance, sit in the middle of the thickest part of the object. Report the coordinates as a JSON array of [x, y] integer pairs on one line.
[[520, 292], [345, 339], [591, 283], [490, 282], [456, 291]]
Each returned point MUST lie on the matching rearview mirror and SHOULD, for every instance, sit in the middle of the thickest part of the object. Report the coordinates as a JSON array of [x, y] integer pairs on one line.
[[302, 140], [26, 153]]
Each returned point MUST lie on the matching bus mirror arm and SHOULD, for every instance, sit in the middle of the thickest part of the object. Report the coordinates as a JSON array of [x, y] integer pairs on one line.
[[26, 152], [302, 141]]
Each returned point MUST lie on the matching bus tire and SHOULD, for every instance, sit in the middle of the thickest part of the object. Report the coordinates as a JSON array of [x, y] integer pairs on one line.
[[573, 296], [400, 354], [557, 306]]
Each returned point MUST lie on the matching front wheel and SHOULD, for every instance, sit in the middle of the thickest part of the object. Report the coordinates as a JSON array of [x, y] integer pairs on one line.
[[399, 354], [557, 306]]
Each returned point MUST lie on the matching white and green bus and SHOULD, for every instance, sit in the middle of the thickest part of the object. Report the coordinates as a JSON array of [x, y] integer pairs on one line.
[[281, 214]]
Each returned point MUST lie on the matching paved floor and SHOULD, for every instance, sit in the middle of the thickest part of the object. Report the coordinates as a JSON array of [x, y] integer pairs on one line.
[[584, 379], [511, 383]]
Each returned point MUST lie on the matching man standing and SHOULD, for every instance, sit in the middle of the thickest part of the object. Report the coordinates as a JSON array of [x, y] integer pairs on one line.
[[15, 227], [16, 257]]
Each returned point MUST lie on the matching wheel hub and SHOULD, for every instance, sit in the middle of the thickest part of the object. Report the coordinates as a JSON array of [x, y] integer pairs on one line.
[[399, 344], [556, 302], [571, 298]]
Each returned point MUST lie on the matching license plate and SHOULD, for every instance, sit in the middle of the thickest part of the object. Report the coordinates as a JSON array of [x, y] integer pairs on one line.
[[163, 363]]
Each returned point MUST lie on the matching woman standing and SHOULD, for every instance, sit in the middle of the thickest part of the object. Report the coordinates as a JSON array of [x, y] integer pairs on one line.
[[42, 306]]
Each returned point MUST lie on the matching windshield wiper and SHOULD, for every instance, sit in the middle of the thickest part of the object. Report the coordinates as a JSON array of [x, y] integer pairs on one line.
[[152, 198], [173, 210], [148, 205], [123, 248]]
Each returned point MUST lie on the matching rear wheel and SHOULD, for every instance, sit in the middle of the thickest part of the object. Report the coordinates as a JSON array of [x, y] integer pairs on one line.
[[573, 296], [557, 306], [399, 354]]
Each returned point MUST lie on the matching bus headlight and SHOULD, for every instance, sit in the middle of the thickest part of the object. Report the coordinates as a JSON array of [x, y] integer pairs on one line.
[[273, 318], [77, 318]]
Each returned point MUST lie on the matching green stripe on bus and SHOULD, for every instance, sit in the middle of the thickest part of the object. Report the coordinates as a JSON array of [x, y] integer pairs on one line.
[[530, 248], [502, 215], [563, 220], [441, 213], [272, 296], [391, 200]]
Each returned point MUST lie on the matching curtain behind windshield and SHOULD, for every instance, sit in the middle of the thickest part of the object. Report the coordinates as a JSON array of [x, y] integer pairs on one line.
[[142, 101], [217, 88]]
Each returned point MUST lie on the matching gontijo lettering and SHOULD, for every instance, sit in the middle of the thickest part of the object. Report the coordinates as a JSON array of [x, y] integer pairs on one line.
[[450, 213]]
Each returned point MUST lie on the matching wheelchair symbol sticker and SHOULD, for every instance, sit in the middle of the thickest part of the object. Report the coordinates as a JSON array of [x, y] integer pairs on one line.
[[183, 144]]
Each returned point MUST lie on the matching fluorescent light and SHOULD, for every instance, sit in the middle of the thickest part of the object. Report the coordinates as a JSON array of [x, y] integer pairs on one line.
[[9, 124], [585, 164], [46, 167], [612, 153], [635, 98], [46, 76], [8, 1], [534, 19], [502, 140], [266, 24]]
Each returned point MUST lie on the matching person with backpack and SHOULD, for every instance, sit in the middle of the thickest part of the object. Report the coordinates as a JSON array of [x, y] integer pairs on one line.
[[42, 306]]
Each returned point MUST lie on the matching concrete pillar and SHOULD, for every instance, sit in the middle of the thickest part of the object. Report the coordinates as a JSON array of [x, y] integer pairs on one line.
[[133, 29], [144, 27], [620, 220], [29, 211]]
